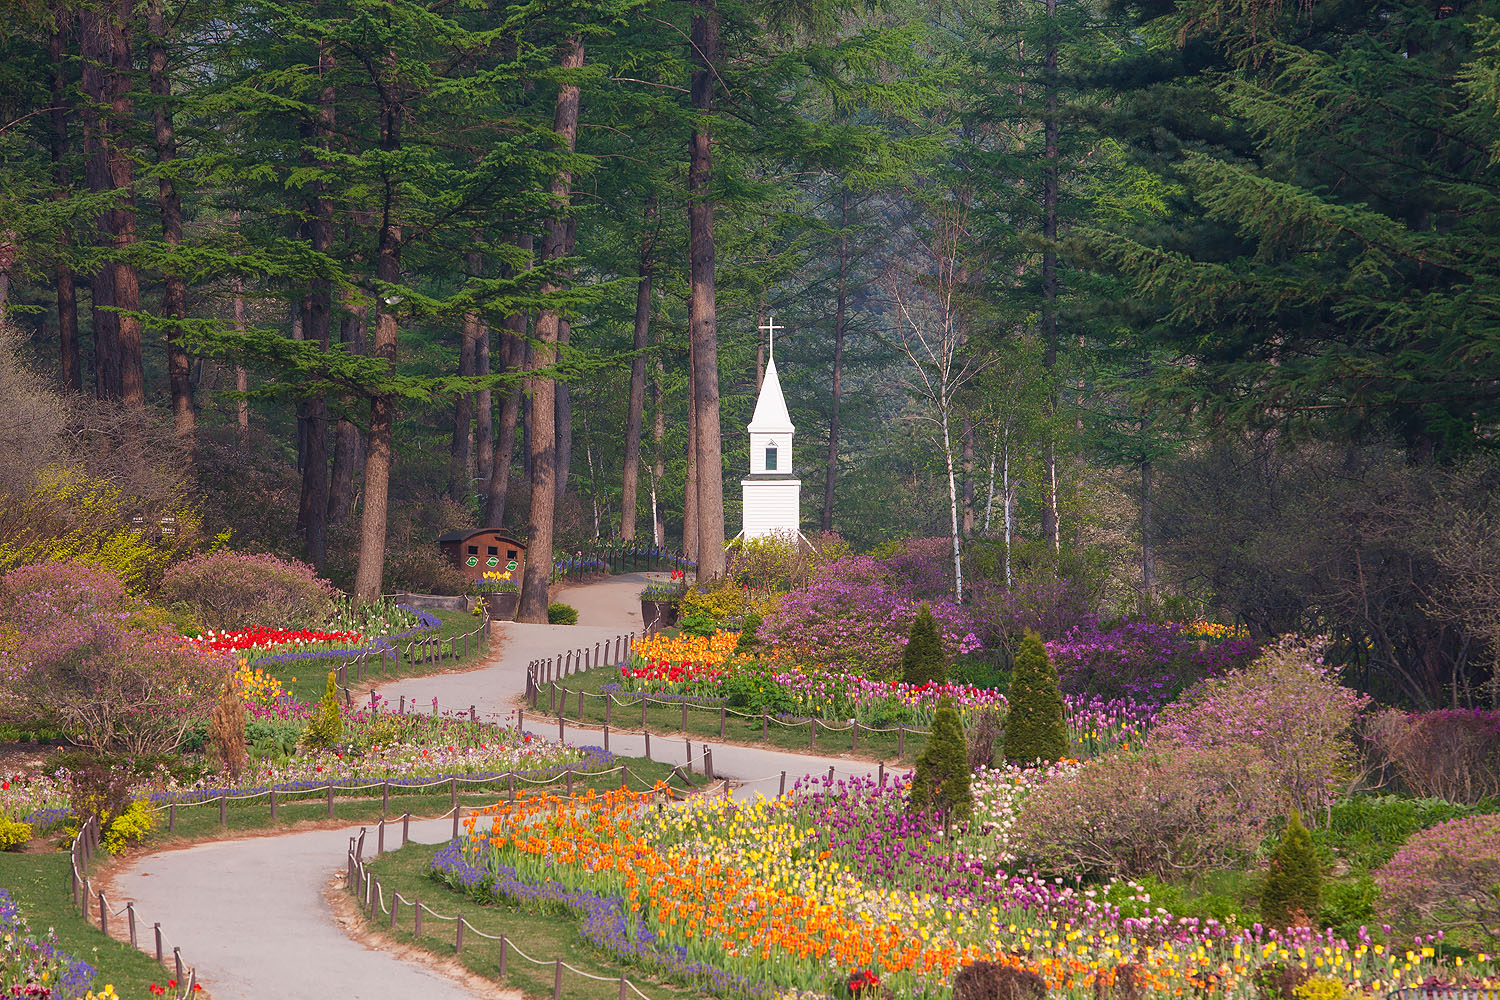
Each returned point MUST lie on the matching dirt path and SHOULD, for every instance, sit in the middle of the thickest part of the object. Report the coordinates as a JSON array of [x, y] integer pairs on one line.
[[252, 915]]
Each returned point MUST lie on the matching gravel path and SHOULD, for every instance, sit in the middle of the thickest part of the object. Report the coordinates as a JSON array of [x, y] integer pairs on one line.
[[251, 914]]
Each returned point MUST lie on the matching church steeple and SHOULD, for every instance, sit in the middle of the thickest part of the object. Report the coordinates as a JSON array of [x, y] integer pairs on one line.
[[772, 491]]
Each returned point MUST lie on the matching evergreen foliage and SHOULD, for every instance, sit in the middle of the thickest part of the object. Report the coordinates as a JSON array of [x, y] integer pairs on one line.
[[923, 660], [1034, 725], [942, 779], [559, 613], [327, 724], [1293, 891]]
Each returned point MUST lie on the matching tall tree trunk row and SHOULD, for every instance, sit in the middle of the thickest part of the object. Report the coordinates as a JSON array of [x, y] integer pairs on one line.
[[634, 415]]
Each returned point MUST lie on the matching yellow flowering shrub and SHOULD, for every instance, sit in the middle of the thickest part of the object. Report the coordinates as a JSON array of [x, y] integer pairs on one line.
[[728, 602], [13, 834], [1321, 988], [128, 827]]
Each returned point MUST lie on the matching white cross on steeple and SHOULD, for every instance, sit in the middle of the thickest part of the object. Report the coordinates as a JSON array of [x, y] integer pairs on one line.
[[770, 328]]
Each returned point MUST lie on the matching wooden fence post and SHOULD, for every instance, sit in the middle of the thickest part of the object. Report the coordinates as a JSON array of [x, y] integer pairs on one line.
[[223, 810], [156, 929], [557, 980], [606, 737], [103, 916], [503, 950], [643, 710], [812, 734], [723, 720], [405, 828], [130, 920], [782, 790], [402, 709], [560, 737], [765, 725], [380, 837], [684, 716], [172, 817], [609, 705], [900, 740], [273, 805], [880, 780], [458, 940], [580, 704], [395, 902], [648, 744], [830, 775], [472, 717], [385, 796], [689, 757], [330, 800], [854, 747], [453, 792], [177, 961]]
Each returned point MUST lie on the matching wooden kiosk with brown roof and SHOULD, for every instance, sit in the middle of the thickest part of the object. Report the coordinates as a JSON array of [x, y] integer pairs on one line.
[[477, 551]]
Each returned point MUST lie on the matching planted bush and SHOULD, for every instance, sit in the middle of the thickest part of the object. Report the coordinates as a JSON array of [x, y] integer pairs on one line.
[[63, 586], [941, 782], [1447, 876], [229, 590], [1148, 812], [922, 661], [1292, 895], [1034, 726], [561, 614], [1451, 754], [327, 724]]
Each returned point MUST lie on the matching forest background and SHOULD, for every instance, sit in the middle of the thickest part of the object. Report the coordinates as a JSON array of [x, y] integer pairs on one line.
[[1186, 308]]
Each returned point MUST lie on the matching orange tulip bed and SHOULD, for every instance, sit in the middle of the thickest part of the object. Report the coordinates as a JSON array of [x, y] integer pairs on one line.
[[842, 891]]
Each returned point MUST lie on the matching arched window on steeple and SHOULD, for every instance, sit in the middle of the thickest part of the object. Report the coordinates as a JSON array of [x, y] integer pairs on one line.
[[770, 458]]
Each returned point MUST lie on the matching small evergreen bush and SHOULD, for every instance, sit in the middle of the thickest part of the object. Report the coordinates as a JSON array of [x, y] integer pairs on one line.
[[561, 614], [923, 661], [1293, 889], [327, 725], [942, 778], [1034, 726]]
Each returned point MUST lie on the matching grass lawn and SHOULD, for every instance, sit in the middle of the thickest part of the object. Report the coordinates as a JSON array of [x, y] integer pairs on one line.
[[39, 883], [544, 934], [707, 721], [305, 679], [201, 821]]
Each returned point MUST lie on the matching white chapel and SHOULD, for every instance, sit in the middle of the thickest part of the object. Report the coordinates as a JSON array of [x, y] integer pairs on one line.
[[772, 491]]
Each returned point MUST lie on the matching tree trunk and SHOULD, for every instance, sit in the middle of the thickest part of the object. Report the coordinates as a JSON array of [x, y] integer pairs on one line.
[[1148, 536], [484, 411], [562, 403], [107, 42], [634, 416], [317, 325], [372, 524], [958, 566], [989, 492], [1006, 489], [94, 47], [67, 295], [702, 322], [836, 390], [470, 332], [538, 576], [968, 453], [1051, 521], [512, 359], [346, 434], [690, 477], [174, 291], [658, 467]]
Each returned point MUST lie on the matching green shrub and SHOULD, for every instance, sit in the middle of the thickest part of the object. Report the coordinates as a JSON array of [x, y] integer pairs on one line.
[[748, 642], [1349, 904], [1034, 726], [922, 661], [942, 778], [559, 613], [327, 724], [697, 622], [13, 834], [1293, 890], [978, 671], [130, 827]]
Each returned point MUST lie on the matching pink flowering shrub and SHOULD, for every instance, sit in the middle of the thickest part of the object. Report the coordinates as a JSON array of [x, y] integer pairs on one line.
[[230, 590], [1288, 707], [63, 586], [923, 565], [1447, 876], [1451, 754], [1149, 812], [854, 616]]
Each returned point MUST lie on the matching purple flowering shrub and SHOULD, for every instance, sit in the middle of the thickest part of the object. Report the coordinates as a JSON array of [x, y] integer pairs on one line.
[[854, 617], [1451, 754], [1447, 876], [229, 590], [1148, 661], [1218, 766], [1286, 705], [923, 565]]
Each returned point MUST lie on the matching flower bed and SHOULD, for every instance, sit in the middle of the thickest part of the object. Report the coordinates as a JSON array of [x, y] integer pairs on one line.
[[804, 892], [32, 966]]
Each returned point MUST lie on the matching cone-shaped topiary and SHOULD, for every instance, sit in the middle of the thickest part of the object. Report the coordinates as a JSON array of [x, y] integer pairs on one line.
[[327, 725], [923, 660], [1034, 726], [941, 781], [1294, 885]]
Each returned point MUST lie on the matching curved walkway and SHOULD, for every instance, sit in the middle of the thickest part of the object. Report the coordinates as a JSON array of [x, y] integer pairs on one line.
[[250, 913]]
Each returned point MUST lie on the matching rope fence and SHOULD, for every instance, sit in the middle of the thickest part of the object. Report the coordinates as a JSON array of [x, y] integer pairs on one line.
[[549, 673], [83, 851], [419, 652]]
